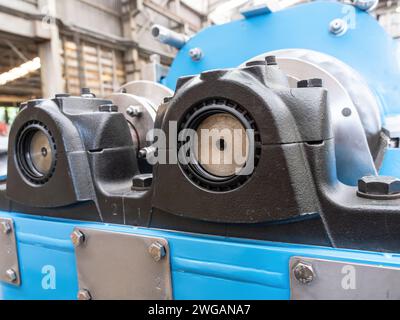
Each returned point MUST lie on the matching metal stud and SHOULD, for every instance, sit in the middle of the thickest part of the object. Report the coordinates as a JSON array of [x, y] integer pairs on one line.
[[5, 227], [157, 251], [304, 273], [11, 275], [77, 238], [84, 295]]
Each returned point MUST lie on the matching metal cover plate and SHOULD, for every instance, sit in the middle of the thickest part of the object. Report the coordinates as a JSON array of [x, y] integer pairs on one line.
[[9, 267], [118, 266], [335, 280]]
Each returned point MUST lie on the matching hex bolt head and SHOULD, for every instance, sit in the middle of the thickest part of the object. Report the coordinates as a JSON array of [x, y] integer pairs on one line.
[[77, 238], [5, 227], [142, 181], [338, 27], [310, 83], [379, 187], [86, 93], [157, 251], [304, 273], [134, 111], [271, 60], [11, 275], [196, 54], [84, 295]]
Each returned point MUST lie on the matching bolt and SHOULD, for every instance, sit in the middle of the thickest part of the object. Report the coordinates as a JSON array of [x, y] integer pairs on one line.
[[85, 93], [346, 112], [5, 227], [338, 27], [304, 273], [157, 251], [145, 153], [78, 238], [134, 111], [142, 181], [379, 186], [271, 60], [11, 275], [84, 295], [196, 54], [310, 83]]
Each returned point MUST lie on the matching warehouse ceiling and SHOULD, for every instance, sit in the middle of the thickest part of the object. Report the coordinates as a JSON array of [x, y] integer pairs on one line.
[[14, 52]]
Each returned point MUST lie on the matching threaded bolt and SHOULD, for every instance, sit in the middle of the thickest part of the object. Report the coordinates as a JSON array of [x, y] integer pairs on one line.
[[11, 275], [77, 238], [157, 251], [84, 295], [304, 273], [271, 60], [5, 227], [196, 54]]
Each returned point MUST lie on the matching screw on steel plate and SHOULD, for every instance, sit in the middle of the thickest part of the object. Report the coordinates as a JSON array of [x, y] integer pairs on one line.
[[157, 251], [11, 275], [5, 227], [84, 295], [78, 238], [304, 273]]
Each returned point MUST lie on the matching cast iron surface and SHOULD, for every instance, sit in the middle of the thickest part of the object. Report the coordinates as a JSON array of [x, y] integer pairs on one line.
[[292, 196]]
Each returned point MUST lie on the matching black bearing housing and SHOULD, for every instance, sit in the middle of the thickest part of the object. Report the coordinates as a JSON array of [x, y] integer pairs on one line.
[[282, 130]]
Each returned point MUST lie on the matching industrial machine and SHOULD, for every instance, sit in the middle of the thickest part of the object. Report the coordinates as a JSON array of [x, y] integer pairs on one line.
[[115, 199]]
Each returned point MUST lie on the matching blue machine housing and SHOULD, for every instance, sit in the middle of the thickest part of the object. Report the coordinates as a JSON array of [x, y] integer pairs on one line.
[[209, 267]]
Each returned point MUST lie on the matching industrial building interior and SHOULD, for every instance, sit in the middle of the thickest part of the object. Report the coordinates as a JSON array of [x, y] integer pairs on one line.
[[50, 46]]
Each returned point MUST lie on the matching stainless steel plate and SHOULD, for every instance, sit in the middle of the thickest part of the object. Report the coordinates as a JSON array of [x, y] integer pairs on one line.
[[9, 266], [334, 280], [119, 266]]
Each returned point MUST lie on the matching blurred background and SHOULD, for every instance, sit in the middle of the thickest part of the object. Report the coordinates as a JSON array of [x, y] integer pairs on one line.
[[56, 46]]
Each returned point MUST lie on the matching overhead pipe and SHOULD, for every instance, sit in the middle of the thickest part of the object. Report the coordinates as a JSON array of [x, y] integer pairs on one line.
[[167, 36]]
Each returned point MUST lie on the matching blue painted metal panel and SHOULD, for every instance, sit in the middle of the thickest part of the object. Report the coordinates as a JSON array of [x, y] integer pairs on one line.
[[391, 163], [366, 46], [203, 267]]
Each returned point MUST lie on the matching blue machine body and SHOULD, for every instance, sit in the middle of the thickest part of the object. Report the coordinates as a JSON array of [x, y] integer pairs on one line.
[[209, 267], [203, 267]]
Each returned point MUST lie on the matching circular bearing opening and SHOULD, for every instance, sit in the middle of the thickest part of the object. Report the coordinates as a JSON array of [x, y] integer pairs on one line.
[[36, 152], [227, 148]]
